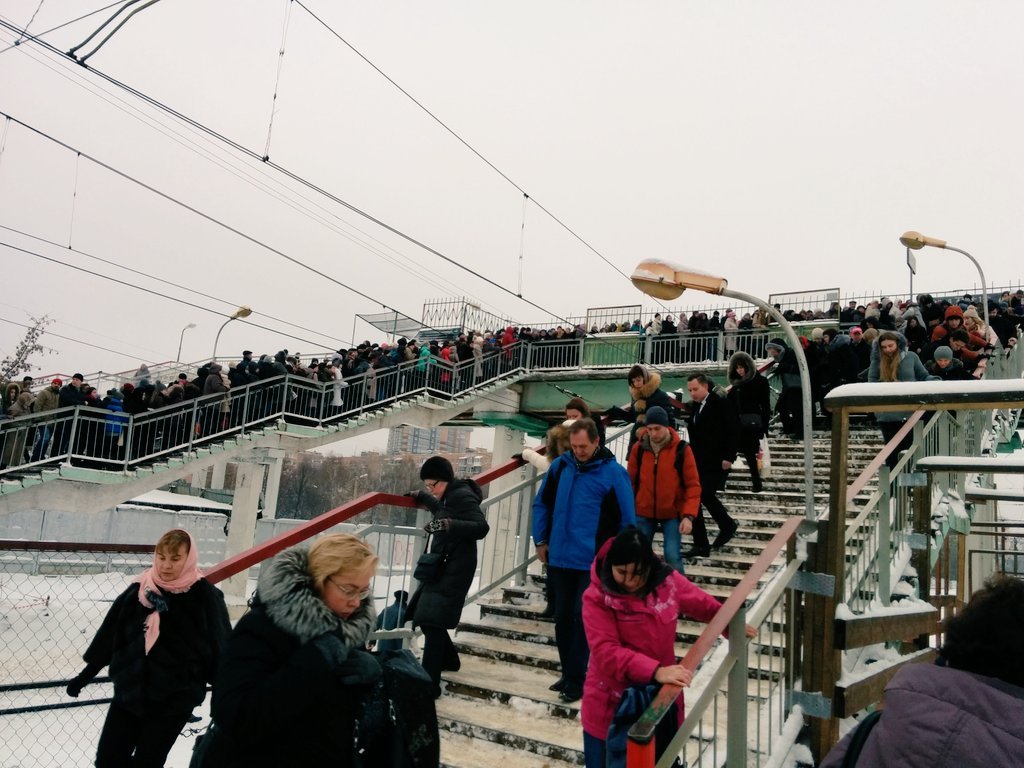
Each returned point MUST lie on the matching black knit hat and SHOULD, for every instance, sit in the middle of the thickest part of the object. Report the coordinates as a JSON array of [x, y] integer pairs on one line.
[[656, 416], [437, 468]]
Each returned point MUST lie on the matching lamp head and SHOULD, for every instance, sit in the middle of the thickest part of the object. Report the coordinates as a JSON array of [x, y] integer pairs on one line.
[[241, 312], [190, 325], [917, 241], [666, 281]]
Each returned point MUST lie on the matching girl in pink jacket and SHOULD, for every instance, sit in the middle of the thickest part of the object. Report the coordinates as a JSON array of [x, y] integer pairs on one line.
[[630, 611]]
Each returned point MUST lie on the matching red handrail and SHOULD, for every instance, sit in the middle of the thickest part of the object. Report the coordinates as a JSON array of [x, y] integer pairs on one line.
[[347, 511]]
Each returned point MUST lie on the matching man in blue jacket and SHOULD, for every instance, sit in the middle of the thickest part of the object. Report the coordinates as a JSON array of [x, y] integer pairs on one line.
[[585, 499]]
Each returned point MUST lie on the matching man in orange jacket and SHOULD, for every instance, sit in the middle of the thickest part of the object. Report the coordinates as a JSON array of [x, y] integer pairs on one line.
[[665, 483]]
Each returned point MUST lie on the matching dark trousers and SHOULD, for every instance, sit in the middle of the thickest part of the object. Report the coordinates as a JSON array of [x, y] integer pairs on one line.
[[568, 586], [150, 738], [889, 430], [438, 652], [750, 443], [711, 482]]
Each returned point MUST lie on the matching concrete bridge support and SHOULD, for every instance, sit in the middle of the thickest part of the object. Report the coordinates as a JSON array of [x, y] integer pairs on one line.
[[500, 544], [242, 532]]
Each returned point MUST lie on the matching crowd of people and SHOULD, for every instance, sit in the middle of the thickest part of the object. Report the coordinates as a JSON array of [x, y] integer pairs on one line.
[[613, 600]]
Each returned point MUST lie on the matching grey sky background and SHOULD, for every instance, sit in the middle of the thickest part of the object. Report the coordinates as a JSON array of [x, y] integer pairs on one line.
[[783, 145]]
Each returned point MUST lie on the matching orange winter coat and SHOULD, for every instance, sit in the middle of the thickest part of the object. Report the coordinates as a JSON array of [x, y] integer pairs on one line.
[[664, 488]]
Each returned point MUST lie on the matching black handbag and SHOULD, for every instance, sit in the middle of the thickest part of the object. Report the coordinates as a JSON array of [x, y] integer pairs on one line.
[[751, 422], [430, 565]]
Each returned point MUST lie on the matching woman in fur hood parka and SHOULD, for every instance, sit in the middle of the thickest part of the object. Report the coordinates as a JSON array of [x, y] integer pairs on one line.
[[750, 399], [294, 671], [645, 390]]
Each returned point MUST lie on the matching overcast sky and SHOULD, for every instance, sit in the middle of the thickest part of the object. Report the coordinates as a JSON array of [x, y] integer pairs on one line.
[[783, 145]]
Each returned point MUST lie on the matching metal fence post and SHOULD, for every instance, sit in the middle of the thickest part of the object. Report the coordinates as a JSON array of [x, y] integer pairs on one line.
[[736, 706], [884, 558]]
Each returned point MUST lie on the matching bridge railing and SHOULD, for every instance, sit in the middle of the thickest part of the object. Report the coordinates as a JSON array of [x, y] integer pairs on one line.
[[95, 437]]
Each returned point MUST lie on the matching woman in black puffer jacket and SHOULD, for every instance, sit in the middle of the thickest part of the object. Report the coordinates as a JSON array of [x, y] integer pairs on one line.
[[457, 525]]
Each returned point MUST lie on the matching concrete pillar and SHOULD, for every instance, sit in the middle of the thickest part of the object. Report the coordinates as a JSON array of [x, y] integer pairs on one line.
[[199, 478], [217, 475], [242, 532], [503, 517], [273, 488]]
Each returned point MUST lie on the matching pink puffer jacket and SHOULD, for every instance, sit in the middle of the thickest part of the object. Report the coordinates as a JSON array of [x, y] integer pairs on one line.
[[630, 637]]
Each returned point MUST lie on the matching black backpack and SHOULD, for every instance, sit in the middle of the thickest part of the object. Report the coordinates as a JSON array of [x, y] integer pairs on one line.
[[860, 737], [397, 725], [679, 460]]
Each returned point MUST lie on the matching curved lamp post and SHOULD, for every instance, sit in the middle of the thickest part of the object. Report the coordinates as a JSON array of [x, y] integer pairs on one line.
[[666, 281], [236, 315], [917, 241], [181, 340]]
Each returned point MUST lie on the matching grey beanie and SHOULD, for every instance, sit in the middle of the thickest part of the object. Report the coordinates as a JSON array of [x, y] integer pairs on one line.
[[656, 415], [943, 353]]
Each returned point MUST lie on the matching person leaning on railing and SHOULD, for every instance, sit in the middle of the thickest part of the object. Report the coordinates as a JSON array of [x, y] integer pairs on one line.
[[630, 612]]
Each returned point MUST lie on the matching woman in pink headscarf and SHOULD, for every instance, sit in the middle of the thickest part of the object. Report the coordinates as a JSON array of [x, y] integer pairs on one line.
[[162, 639]]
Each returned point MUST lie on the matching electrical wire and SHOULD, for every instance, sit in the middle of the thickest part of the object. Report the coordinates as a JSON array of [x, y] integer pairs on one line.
[[407, 263], [25, 37], [170, 283], [152, 292], [206, 217], [461, 140], [76, 341], [287, 173]]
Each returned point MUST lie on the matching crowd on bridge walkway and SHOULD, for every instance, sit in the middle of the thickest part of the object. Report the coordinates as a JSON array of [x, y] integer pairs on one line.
[[952, 337]]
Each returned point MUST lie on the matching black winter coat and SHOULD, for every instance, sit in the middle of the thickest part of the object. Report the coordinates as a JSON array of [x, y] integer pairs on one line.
[[174, 675], [749, 393], [278, 701], [439, 604], [714, 433]]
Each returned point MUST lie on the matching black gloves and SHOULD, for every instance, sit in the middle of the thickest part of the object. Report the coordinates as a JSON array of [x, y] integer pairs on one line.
[[437, 525], [360, 668], [618, 414], [332, 648], [352, 667], [81, 680]]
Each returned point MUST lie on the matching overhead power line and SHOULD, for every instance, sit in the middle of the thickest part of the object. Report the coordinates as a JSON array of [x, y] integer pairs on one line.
[[148, 275], [461, 140], [281, 169]]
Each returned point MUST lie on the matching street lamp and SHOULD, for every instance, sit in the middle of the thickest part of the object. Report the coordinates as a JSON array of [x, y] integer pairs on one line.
[[236, 315], [917, 241], [666, 281], [181, 340]]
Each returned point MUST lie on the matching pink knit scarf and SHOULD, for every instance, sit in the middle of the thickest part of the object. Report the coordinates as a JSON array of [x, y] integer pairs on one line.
[[150, 583]]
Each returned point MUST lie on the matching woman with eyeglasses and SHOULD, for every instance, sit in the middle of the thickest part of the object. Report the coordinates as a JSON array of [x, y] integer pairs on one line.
[[456, 526], [295, 671]]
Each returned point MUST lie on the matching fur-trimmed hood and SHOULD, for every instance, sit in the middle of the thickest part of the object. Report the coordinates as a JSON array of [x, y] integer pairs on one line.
[[557, 442], [738, 359], [285, 591], [651, 383]]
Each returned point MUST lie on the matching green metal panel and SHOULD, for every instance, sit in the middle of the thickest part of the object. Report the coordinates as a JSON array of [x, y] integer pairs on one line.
[[600, 393]]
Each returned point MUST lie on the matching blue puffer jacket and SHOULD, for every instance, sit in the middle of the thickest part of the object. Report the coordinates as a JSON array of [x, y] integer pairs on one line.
[[580, 506]]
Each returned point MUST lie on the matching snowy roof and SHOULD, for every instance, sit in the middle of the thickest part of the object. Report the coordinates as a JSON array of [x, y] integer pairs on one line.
[[178, 501], [902, 395]]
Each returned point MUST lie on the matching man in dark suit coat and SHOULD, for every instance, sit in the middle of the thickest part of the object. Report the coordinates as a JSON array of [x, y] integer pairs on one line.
[[714, 432]]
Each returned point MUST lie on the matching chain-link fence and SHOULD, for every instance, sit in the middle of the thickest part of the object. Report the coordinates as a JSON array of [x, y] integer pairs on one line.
[[53, 598]]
